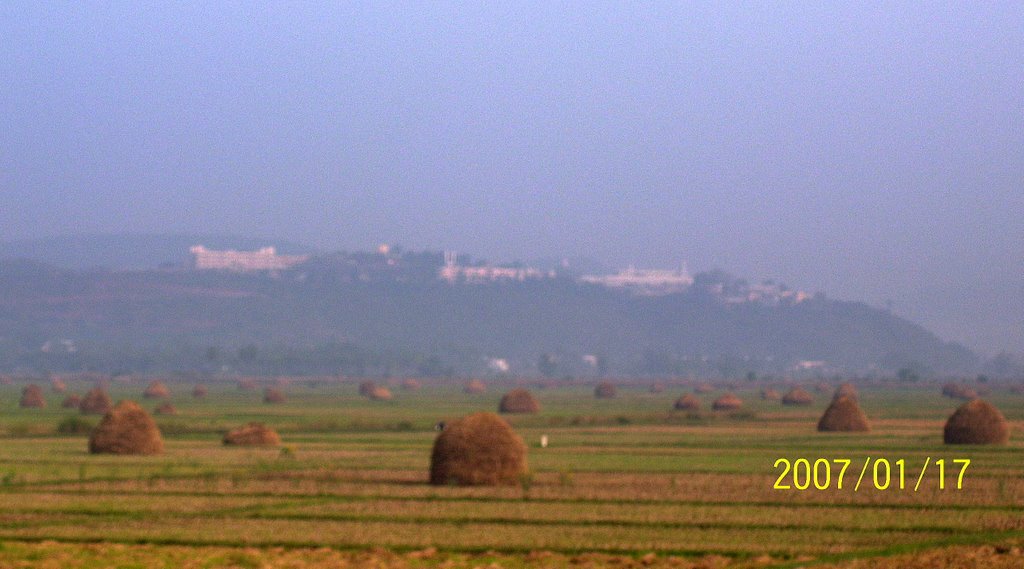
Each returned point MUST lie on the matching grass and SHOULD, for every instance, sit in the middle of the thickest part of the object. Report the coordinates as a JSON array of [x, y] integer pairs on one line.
[[621, 479]]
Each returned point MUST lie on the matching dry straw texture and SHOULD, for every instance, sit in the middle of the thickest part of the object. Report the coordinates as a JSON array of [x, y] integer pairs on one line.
[[96, 402], [126, 429], [273, 395], [58, 385], [518, 401], [844, 415], [380, 393], [32, 397], [475, 386], [252, 434], [845, 390], [976, 422], [688, 402], [199, 391], [727, 402], [769, 394], [479, 449], [797, 396], [156, 390], [605, 390], [71, 402]]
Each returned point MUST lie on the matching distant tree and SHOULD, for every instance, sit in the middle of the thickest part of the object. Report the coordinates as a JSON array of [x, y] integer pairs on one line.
[[907, 374], [212, 354], [982, 378], [547, 364], [602, 365], [248, 353], [751, 376]]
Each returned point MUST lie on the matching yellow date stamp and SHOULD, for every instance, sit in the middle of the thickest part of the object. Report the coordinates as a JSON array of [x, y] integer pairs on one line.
[[877, 473]]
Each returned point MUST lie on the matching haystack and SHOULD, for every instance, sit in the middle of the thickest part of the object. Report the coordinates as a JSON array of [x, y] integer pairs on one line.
[[380, 393], [704, 388], [71, 402], [657, 387], [32, 397], [605, 390], [96, 402], [156, 390], [727, 402], [166, 408], [411, 384], [688, 402], [58, 386], [366, 387], [247, 384], [126, 429], [474, 387], [976, 422], [199, 391], [518, 400], [844, 415], [769, 394], [252, 434], [846, 389], [797, 396], [959, 391], [823, 387], [273, 395], [479, 449]]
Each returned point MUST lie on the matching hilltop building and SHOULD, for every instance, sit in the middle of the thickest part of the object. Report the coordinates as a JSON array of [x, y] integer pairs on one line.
[[644, 282], [265, 259], [452, 272]]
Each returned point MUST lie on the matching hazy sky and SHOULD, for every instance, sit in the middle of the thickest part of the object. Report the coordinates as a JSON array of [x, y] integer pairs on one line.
[[871, 150]]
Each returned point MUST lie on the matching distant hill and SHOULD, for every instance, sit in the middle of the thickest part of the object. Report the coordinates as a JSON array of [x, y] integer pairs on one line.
[[130, 251], [179, 315]]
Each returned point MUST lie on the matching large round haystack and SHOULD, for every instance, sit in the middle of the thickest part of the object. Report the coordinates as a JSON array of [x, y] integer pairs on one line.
[[380, 393], [32, 397], [96, 402], [156, 390], [727, 402], [769, 394], [688, 402], [71, 402], [797, 396], [704, 388], [166, 408], [366, 387], [844, 415], [976, 422], [474, 387], [58, 386], [126, 429], [199, 391], [605, 390], [846, 389], [518, 400], [411, 384], [273, 395], [479, 449], [252, 434]]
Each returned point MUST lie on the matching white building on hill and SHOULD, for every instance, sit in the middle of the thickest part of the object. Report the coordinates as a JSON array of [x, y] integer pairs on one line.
[[265, 259]]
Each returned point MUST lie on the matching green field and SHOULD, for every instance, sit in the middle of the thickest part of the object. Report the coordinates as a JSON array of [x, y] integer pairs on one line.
[[620, 480]]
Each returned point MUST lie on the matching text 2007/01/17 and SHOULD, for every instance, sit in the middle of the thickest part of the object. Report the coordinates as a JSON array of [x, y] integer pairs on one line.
[[880, 473]]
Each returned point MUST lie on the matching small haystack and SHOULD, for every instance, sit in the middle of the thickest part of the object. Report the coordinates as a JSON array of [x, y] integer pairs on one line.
[[247, 384], [605, 390], [71, 402], [366, 388], [96, 402], [797, 396], [166, 408], [518, 400], [727, 402], [252, 434], [657, 387], [844, 415], [58, 386], [479, 449], [126, 429], [959, 391], [769, 394], [273, 395], [199, 391], [976, 422], [411, 384], [380, 393], [846, 389], [475, 387], [156, 390], [823, 387], [704, 388], [32, 397], [688, 402]]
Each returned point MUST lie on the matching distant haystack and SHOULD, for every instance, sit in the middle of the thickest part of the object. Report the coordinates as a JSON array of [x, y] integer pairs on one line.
[[688, 402], [58, 386], [657, 387], [976, 422], [199, 391], [32, 397], [247, 384], [844, 415], [273, 395], [727, 402], [252, 434], [475, 387], [846, 389], [769, 394], [704, 388], [380, 393], [166, 408], [479, 449], [797, 396], [156, 390], [126, 429], [518, 401], [823, 387], [96, 402], [605, 390], [71, 402], [959, 391], [366, 388], [411, 384]]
